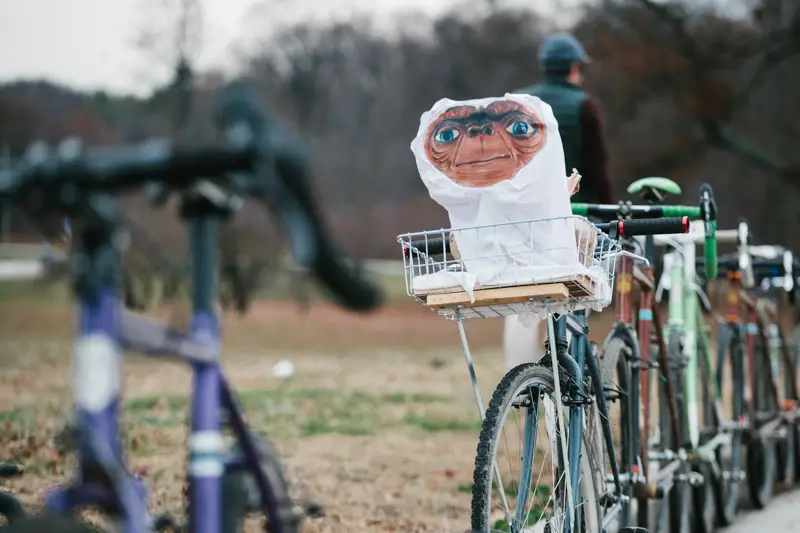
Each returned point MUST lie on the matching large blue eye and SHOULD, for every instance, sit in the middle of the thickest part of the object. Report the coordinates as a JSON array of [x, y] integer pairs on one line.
[[446, 135], [520, 128]]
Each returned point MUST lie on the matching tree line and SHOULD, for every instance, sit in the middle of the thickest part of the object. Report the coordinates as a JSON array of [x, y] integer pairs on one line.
[[690, 92]]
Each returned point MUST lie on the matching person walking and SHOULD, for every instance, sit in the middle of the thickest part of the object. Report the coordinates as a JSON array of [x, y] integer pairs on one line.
[[562, 60]]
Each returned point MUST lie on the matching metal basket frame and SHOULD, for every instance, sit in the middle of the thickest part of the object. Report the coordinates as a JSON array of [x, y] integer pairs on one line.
[[592, 250]]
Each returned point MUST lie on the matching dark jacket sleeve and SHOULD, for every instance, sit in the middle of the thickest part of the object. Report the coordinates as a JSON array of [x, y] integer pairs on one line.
[[594, 153]]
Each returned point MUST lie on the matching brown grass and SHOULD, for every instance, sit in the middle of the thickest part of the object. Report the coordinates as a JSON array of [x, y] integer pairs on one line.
[[378, 422]]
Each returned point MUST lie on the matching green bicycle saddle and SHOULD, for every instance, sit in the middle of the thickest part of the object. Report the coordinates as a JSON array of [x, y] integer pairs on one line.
[[654, 189]]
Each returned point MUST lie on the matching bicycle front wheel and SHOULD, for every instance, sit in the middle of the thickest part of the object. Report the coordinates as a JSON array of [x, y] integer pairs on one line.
[[520, 481], [762, 450]]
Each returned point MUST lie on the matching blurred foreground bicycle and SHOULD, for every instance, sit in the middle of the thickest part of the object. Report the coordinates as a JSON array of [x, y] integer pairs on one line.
[[261, 161], [559, 398]]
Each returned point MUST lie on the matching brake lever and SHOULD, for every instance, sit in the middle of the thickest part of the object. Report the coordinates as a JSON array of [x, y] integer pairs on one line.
[[636, 258]]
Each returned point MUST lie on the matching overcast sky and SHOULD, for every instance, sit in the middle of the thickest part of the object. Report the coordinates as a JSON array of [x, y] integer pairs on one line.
[[89, 44]]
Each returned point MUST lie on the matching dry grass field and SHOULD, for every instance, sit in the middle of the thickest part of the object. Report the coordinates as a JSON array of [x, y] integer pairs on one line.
[[378, 422]]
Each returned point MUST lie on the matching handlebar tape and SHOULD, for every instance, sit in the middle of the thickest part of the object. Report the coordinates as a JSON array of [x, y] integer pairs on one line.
[[710, 253], [656, 226]]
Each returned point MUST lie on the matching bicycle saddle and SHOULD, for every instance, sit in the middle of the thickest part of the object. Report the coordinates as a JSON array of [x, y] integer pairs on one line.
[[654, 189]]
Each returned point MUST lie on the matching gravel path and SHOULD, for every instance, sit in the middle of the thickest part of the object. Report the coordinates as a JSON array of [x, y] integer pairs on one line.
[[782, 515]]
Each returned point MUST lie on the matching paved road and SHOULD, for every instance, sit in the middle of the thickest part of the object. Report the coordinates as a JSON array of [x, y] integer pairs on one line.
[[782, 515]]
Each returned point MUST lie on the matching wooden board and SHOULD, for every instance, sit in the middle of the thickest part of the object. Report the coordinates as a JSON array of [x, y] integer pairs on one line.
[[505, 295], [579, 286]]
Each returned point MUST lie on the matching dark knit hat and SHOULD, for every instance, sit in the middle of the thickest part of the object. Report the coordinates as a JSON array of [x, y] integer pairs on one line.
[[561, 50]]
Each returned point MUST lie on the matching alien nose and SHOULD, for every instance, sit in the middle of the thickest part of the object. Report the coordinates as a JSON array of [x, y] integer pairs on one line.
[[485, 129]]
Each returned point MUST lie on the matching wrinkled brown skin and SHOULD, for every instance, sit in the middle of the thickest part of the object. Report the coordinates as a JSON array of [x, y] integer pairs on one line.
[[480, 147]]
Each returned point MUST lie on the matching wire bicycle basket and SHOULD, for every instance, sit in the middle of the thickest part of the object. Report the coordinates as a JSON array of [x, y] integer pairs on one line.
[[513, 272]]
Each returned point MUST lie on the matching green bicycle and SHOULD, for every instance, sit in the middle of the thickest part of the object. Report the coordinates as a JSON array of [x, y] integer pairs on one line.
[[681, 449]]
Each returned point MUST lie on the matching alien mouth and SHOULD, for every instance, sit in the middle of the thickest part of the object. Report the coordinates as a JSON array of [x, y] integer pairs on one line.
[[483, 161]]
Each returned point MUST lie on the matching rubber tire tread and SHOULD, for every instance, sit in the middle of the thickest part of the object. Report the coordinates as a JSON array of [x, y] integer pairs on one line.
[[610, 360]]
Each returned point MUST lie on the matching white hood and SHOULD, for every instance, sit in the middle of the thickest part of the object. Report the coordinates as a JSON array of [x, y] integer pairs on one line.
[[492, 161]]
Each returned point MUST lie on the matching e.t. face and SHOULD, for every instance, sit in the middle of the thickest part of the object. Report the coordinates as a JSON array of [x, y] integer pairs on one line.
[[478, 147]]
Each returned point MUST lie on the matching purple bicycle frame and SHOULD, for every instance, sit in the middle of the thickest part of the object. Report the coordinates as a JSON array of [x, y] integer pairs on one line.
[[102, 478]]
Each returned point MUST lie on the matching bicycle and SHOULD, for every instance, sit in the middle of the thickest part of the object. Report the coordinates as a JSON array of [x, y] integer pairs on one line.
[[570, 380], [666, 464], [260, 160], [765, 392]]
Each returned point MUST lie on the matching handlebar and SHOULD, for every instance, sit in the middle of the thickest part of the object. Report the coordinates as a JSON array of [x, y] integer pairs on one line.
[[705, 211], [260, 159], [763, 267], [616, 229], [627, 210], [652, 226]]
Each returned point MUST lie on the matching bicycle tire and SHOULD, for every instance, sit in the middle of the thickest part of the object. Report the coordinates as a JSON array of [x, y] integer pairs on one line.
[[48, 523], [787, 456], [761, 451], [787, 446], [241, 496], [615, 370], [794, 353], [680, 497], [705, 495], [501, 402], [10, 507], [728, 489]]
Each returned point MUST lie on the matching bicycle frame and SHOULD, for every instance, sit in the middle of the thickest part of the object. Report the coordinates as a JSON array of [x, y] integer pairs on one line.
[[572, 360], [637, 336], [102, 478], [686, 318]]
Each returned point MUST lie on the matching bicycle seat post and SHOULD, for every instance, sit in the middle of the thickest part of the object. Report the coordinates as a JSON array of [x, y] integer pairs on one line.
[[204, 214]]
